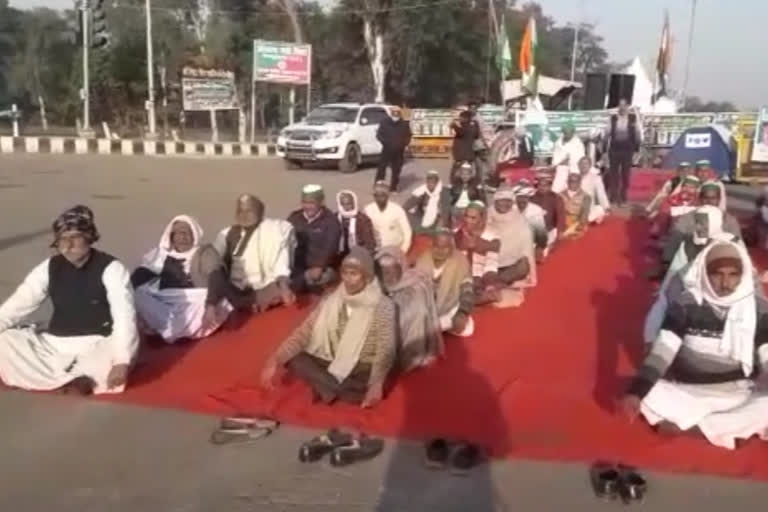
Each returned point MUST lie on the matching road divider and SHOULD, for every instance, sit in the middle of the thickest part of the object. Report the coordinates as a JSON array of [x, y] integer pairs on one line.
[[83, 146]]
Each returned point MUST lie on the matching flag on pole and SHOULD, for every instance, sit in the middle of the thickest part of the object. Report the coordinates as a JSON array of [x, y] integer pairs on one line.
[[663, 59], [528, 57], [503, 52]]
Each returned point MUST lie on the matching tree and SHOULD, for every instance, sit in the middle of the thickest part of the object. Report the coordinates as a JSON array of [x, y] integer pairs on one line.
[[696, 104]]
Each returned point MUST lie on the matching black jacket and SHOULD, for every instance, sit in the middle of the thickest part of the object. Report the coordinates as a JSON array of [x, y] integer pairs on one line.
[[317, 242], [394, 135]]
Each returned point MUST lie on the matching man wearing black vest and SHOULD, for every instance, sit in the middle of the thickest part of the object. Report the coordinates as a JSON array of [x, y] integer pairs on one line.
[[623, 142], [91, 338]]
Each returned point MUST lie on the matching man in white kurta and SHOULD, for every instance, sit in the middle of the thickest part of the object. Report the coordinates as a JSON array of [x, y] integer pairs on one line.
[[257, 259], [592, 184], [569, 149], [91, 339], [390, 222]]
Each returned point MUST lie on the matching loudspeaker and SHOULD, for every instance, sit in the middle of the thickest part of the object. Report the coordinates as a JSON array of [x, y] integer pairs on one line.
[[595, 91], [622, 86]]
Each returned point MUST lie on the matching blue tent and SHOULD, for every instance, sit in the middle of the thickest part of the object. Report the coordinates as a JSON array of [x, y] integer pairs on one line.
[[701, 143]]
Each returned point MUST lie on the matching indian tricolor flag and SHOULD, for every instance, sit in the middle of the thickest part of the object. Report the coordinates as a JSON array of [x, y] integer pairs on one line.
[[528, 57]]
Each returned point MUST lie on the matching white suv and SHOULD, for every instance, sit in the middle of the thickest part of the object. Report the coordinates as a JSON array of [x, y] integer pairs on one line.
[[342, 134]]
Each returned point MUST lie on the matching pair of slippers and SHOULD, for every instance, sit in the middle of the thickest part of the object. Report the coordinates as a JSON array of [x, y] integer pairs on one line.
[[459, 457], [241, 429], [611, 482], [343, 448]]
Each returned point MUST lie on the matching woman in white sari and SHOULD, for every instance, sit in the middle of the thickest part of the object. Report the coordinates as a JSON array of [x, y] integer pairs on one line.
[[172, 284]]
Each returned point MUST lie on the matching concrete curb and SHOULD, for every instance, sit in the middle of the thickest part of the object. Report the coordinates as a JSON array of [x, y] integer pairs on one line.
[[82, 146]]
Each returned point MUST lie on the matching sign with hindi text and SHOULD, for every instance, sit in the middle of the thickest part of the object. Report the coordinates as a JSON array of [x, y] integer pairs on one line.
[[282, 63], [208, 89]]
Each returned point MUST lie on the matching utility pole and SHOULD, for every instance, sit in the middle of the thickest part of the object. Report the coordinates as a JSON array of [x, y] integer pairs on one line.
[[150, 76], [573, 60], [85, 12], [691, 30]]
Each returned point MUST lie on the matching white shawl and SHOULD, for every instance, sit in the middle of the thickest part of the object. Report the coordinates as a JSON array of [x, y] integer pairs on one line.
[[433, 203], [348, 214], [738, 341], [155, 259]]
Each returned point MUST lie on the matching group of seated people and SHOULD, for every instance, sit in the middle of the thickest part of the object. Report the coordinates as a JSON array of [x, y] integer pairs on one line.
[[707, 331], [388, 314], [380, 313]]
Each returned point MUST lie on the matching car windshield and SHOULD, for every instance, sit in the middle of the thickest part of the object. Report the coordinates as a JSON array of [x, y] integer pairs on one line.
[[333, 115]]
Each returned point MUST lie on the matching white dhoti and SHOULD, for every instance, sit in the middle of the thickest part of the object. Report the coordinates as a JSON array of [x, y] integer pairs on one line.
[[176, 313], [39, 361], [446, 324], [723, 412], [596, 213], [560, 182]]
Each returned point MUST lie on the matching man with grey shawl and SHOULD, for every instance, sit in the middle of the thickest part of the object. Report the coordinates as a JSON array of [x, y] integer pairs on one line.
[[420, 339]]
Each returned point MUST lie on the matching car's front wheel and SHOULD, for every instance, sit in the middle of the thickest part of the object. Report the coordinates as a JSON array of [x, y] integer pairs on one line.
[[293, 165], [351, 160]]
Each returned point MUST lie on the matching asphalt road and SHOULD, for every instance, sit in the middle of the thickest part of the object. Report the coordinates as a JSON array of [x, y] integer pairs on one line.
[[63, 454]]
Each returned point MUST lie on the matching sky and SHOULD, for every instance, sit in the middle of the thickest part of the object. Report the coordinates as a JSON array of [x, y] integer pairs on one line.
[[729, 39]]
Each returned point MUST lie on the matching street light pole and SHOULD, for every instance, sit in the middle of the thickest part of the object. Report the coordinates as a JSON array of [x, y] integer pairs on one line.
[[150, 76], [85, 13]]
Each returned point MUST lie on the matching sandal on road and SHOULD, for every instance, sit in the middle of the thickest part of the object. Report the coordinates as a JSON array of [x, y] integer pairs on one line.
[[605, 480], [244, 421], [242, 435], [317, 447], [633, 485], [364, 448]]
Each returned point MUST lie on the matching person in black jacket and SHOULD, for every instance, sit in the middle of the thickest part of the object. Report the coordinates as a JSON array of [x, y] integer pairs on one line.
[[623, 142], [394, 134], [318, 232], [466, 132]]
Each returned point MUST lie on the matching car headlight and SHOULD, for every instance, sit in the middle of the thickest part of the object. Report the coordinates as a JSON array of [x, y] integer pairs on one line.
[[285, 133], [332, 134]]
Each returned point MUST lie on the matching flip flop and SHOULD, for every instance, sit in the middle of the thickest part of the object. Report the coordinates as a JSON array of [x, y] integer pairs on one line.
[[606, 480], [317, 447], [231, 436], [243, 421], [364, 448], [437, 453], [465, 457]]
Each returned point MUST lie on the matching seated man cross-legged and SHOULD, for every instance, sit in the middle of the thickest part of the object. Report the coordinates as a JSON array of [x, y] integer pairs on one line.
[[91, 339], [256, 254], [706, 370], [346, 347], [454, 288], [318, 232], [172, 284]]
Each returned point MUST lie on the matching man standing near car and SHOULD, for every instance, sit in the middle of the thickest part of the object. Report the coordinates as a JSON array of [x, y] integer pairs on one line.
[[394, 133]]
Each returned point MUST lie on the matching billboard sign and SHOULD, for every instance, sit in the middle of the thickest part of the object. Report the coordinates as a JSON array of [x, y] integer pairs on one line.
[[208, 89], [282, 63]]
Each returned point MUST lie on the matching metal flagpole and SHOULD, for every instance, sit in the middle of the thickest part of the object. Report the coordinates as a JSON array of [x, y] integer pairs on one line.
[[150, 76], [690, 49], [573, 61]]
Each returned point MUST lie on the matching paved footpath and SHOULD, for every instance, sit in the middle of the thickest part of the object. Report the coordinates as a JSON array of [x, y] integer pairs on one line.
[[62, 454]]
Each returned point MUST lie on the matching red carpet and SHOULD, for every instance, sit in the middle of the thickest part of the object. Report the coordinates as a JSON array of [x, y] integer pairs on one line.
[[535, 382], [644, 183]]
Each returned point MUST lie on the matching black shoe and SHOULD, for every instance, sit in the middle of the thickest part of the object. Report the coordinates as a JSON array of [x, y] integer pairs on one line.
[[365, 448], [606, 481], [437, 453], [316, 448], [632, 486], [464, 458]]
